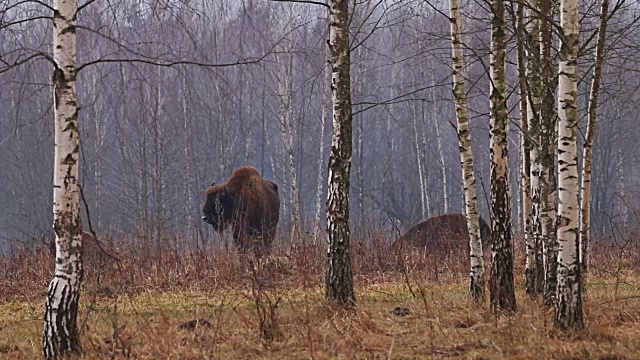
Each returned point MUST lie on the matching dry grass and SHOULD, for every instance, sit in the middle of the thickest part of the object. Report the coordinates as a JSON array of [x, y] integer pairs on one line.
[[135, 309]]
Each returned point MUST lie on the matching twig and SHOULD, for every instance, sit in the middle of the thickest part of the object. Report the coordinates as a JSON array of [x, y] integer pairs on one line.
[[86, 209]]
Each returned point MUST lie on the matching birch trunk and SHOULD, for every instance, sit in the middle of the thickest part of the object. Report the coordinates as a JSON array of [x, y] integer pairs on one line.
[[569, 298], [502, 287], [622, 197], [423, 176], [60, 336], [288, 135], [525, 148], [443, 169], [339, 275], [158, 168], [326, 99], [99, 144], [359, 80], [476, 274], [416, 144], [534, 105], [188, 162], [547, 173]]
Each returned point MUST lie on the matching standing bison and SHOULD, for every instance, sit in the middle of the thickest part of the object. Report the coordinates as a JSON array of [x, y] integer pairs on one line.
[[249, 203], [445, 232]]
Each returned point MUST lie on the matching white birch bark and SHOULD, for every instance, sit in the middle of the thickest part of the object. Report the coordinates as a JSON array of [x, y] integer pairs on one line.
[[416, 144], [622, 197], [547, 174], [158, 167], [534, 105], [96, 108], [288, 129], [188, 162], [359, 80], [525, 158], [326, 100], [476, 273], [339, 281], [60, 336], [443, 169], [423, 176], [568, 300], [502, 292]]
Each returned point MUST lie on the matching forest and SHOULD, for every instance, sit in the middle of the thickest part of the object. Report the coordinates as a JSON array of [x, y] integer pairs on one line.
[[505, 128]]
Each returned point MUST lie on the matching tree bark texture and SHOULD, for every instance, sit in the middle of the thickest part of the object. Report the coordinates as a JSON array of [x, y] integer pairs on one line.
[[585, 188], [502, 286], [525, 158], [569, 298], [476, 274], [288, 129], [534, 105], [339, 274], [326, 94], [547, 173], [60, 336]]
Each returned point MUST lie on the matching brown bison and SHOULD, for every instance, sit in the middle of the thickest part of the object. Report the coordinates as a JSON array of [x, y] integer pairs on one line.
[[446, 232], [249, 203]]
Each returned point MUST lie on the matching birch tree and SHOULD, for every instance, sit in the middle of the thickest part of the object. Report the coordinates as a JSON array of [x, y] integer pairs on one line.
[[476, 274], [61, 337], [569, 298], [288, 129], [546, 174], [502, 292], [525, 148], [326, 99], [339, 275], [534, 113], [585, 188]]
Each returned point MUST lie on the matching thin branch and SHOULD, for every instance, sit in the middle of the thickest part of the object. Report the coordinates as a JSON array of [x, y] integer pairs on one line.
[[304, 2]]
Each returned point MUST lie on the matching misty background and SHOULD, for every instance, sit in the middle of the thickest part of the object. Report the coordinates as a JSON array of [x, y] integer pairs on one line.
[[159, 123]]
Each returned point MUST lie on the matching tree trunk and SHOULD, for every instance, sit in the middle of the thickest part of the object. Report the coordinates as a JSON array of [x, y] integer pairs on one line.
[[189, 163], [525, 148], [423, 176], [60, 336], [99, 143], [569, 298], [326, 99], [534, 100], [547, 173], [416, 143], [502, 287], [359, 80], [622, 197], [158, 166], [288, 135], [339, 274], [476, 274], [443, 169]]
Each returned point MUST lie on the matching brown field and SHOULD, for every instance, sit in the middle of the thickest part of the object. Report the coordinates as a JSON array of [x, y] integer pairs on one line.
[[275, 309]]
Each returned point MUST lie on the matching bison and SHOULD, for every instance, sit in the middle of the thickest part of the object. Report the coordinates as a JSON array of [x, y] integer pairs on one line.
[[249, 203], [446, 232]]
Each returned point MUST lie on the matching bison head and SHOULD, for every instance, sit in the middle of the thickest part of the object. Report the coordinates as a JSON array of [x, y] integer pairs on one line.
[[218, 207]]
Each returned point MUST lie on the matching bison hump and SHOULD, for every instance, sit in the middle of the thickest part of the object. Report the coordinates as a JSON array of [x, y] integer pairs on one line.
[[242, 179]]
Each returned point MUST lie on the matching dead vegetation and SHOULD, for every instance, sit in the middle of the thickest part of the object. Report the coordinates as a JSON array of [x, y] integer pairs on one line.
[[212, 304]]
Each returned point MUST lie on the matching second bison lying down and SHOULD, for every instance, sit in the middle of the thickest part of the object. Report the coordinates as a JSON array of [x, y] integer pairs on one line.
[[445, 232]]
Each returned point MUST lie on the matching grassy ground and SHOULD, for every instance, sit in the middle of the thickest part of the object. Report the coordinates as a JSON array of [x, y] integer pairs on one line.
[[278, 312]]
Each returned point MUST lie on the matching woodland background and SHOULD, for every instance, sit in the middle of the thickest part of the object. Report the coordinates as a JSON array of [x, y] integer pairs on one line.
[[154, 137]]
